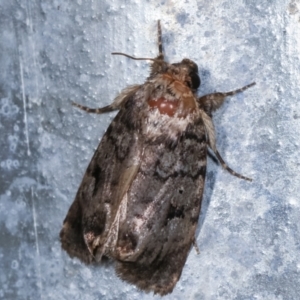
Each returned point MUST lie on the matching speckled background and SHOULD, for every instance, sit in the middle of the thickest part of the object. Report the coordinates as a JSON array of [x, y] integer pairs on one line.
[[55, 52]]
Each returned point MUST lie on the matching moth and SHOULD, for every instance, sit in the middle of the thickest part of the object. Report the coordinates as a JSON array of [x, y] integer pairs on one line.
[[139, 201]]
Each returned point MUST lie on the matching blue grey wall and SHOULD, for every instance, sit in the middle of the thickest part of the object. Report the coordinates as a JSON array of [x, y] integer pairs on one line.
[[55, 52]]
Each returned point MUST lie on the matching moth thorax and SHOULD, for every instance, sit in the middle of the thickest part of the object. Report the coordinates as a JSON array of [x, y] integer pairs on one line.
[[176, 99]]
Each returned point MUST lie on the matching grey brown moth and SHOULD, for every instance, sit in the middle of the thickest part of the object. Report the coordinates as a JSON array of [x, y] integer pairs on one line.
[[139, 201]]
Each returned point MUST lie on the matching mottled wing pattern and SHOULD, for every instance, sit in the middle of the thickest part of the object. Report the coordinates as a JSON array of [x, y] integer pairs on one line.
[[153, 246], [88, 225]]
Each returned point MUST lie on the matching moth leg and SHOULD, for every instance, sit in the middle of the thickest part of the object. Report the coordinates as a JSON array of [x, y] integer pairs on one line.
[[117, 104], [99, 110], [211, 102], [224, 165], [160, 49], [196, 246], [231, 93]]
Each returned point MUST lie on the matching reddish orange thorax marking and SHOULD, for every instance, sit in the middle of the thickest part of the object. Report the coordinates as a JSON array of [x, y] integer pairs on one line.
[[165, 107], [183, 102]]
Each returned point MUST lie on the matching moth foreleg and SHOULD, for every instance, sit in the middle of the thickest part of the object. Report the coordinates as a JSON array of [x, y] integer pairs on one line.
[[232, 172], [99, 110], [211, 102], [231, 93], [117, 104]]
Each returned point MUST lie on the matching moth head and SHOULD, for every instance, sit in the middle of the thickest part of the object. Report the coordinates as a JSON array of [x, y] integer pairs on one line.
[[186, 71], [189, 70]]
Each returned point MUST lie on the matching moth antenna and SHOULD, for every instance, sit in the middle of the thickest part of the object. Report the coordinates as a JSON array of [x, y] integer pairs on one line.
[[160, 49], [132, 57]]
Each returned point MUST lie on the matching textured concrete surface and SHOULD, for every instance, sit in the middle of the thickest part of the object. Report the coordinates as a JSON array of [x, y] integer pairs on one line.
[[55, 52]]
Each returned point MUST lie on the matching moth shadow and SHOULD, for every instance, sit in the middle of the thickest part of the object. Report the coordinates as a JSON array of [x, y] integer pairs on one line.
[[105, 262]]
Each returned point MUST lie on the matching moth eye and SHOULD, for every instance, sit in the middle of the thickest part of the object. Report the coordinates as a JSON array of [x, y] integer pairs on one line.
[[195, 79]]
